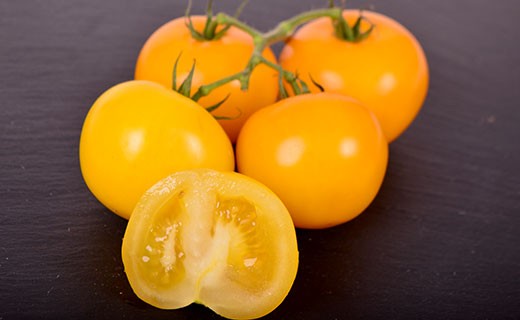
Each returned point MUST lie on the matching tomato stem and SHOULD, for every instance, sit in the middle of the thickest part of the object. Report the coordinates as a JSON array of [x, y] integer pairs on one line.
[[225, 19], [286, 28], [206, 89], [261, 40], [352, 34], [297, 85]]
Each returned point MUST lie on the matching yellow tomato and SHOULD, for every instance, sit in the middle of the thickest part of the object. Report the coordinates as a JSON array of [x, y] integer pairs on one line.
[[138, 132], [215, 60], [387, 71], [219, 239], [323, 154]]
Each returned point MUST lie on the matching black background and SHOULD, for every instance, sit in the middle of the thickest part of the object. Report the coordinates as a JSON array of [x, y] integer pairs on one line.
[[441, 240]]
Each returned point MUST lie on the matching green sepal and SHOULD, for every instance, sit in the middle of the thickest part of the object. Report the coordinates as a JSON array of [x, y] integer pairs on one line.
[[283, 92], [226, 118], [229, 118], [362, 36], [222, 32], [174, 80], [194, 33], [185, 88], [314, 82], [218, 104], [357, 25], [343, 29], [358, 35], [304, 87], [209, 27], [240, 8], [295, 86], [351, 34], [207, 33]]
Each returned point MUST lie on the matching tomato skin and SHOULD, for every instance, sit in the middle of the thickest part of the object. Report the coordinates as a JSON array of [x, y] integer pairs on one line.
[[323, 154], [387, 72], [215, 60], [138, 132]]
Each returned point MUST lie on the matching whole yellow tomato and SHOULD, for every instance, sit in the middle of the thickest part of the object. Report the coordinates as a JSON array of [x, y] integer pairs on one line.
[[323, 154], [138, 132], [215, 59], [387, 71]]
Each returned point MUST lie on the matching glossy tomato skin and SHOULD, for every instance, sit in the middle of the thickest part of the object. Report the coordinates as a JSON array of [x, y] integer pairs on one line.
[[138, 132], [323, 154], [215, 60], [387, 72]]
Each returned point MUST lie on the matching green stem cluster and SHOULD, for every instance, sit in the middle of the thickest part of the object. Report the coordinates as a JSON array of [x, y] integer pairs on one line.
[[261, 40]]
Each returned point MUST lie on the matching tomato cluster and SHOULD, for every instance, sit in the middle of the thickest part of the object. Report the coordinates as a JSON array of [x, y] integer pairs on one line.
[[312, 160]]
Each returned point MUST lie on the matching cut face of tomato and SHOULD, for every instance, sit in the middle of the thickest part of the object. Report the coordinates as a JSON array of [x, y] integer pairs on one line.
[[219, 239]]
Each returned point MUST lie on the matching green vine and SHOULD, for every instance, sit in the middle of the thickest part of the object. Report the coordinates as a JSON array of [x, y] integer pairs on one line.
[[262, 40]]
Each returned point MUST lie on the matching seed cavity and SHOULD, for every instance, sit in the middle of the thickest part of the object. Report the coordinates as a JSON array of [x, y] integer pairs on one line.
[[170, 243]]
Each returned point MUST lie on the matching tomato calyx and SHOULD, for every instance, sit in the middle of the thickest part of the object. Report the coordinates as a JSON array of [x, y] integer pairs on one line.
[[185, 89], [345, 32], [352, 34], [210, 32], [210, 28]]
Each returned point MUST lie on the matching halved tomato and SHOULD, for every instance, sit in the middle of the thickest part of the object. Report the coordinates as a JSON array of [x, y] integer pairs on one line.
[[219, 239]]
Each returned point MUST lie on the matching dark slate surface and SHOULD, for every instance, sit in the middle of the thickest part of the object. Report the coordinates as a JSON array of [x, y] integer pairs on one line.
[[441, 240]]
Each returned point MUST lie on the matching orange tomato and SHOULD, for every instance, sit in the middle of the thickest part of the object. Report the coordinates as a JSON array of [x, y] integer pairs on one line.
[[387, 71], [323, 154], [215, 60]]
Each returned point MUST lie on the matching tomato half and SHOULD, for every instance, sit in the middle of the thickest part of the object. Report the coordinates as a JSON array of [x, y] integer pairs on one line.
[[219, 239], [138, 132], [323, 154], [215, 60], [387, 71]]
